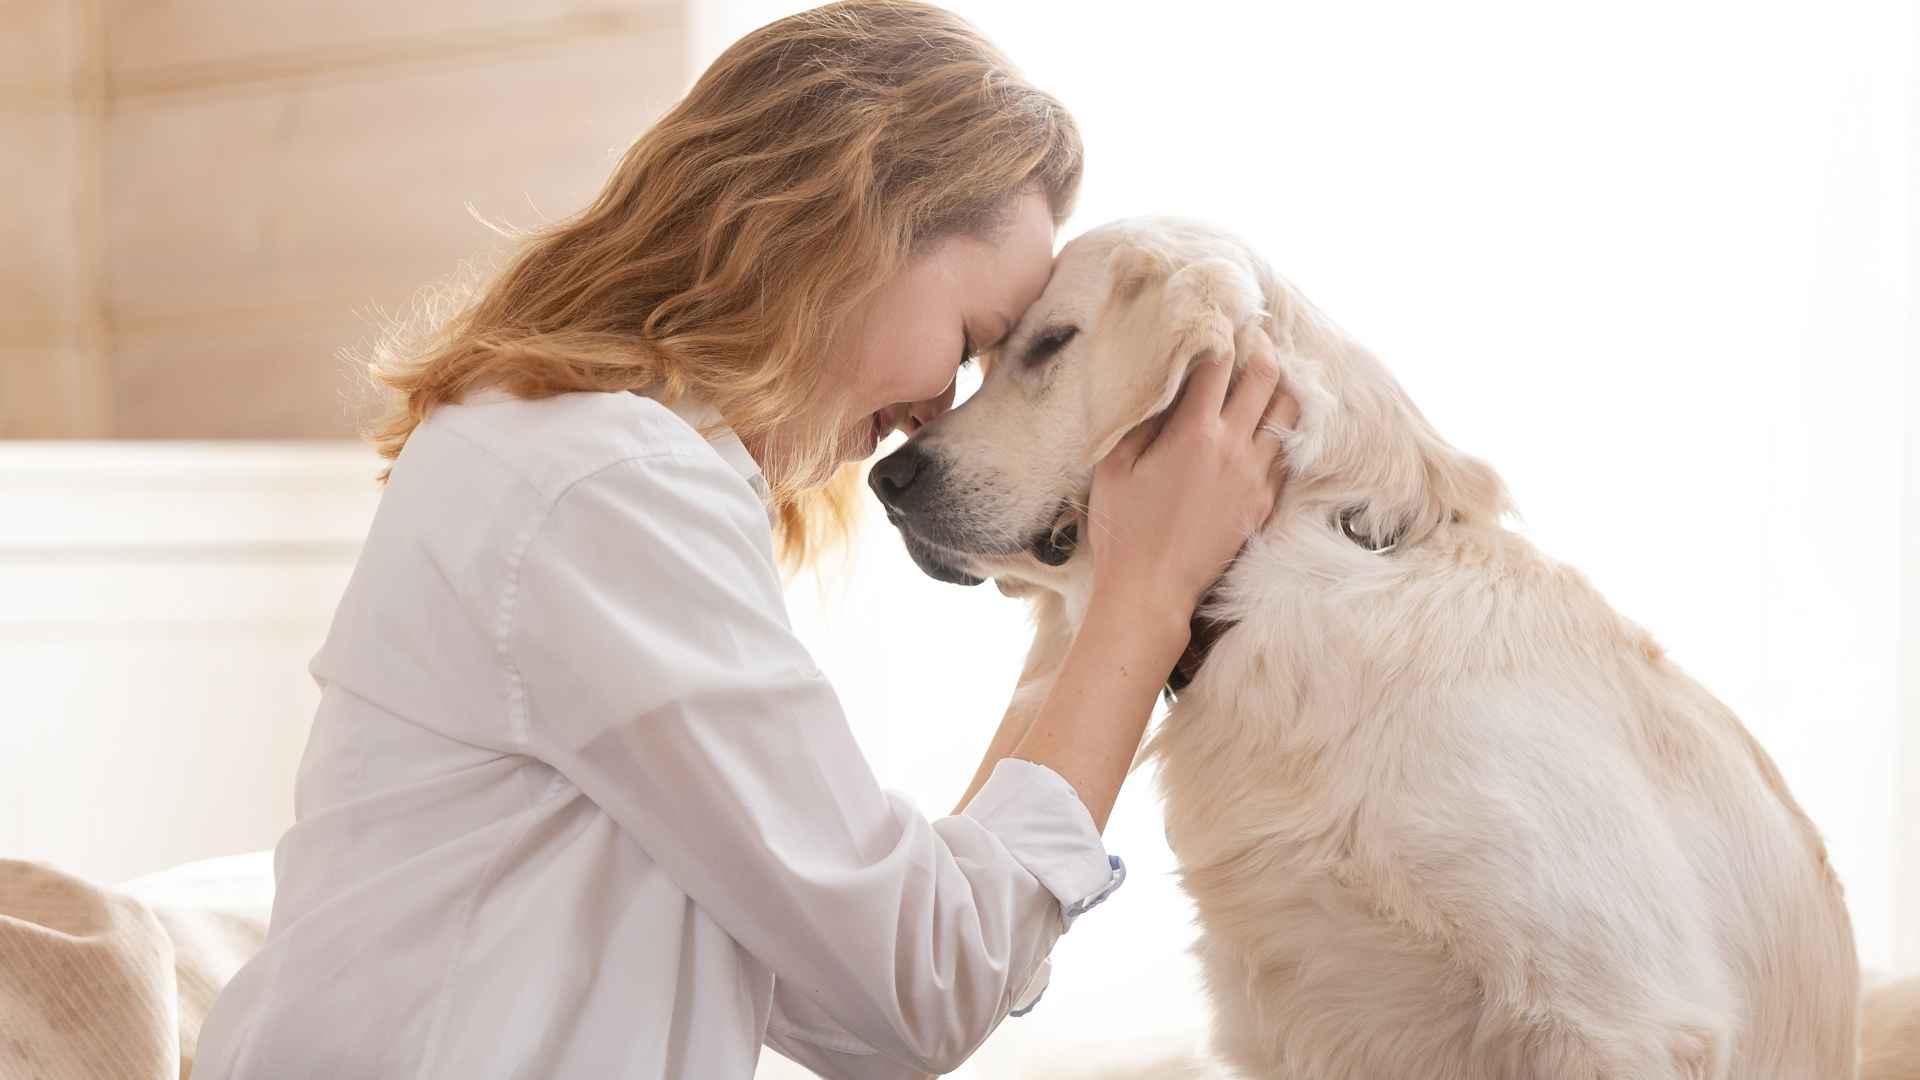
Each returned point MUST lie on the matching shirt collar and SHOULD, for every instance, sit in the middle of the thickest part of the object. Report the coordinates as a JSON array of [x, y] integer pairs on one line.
[[707, 420]]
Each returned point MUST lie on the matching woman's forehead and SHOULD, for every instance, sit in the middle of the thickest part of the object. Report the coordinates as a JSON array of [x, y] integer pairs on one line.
[[1016, 265]]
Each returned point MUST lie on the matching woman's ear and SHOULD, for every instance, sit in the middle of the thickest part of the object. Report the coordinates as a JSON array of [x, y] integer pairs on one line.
[[1157, 323]]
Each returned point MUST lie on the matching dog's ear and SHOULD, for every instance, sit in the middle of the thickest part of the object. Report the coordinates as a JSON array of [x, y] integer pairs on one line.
[[1458, 486], [1365, 444], [1430, 483], [1158, 322]]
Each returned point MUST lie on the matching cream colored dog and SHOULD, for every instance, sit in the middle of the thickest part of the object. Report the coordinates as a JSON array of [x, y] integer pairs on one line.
[[1443, 813]]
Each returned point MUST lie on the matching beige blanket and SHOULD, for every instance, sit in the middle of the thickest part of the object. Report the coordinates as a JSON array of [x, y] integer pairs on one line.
[[113, 983]]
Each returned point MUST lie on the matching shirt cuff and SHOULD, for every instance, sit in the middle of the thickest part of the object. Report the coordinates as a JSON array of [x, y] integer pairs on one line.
[[1045, 826]]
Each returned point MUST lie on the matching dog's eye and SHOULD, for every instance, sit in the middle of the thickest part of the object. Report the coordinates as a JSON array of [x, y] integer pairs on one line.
[[1048, 344]]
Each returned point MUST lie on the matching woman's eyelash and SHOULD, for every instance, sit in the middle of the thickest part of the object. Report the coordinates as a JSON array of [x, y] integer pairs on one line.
[[966, 348]]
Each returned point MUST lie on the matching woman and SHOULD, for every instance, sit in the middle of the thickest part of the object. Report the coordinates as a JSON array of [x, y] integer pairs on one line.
[[576, 802]]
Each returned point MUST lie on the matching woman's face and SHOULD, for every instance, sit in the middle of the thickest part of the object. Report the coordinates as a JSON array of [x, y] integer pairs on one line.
[[959, 297]]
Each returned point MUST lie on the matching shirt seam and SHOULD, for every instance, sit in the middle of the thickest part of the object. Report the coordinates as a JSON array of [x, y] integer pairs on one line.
[[518, 722], [430, 1058], [516, 719], [701, 439], [513, 469], [839, 1044]]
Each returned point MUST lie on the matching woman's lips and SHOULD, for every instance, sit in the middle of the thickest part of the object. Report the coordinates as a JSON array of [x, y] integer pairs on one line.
[[874, 434]]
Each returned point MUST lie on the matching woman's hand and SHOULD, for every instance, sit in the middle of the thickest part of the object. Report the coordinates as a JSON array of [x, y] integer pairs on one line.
[[1177, 499]]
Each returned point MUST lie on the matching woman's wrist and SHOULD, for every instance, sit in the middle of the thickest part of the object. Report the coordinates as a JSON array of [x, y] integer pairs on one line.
[[1152, 627], [1090, 726]]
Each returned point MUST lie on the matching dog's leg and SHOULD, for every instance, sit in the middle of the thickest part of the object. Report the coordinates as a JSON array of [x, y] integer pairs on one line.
[[1890, 1031], [1307, 984], [1052, 636], [1310, 982]]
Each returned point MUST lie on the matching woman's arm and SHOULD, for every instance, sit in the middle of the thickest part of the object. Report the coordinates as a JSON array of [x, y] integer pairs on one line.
[[1090, 727]]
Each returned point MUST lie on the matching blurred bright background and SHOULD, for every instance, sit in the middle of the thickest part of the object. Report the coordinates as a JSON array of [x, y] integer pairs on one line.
[[1652, 260]]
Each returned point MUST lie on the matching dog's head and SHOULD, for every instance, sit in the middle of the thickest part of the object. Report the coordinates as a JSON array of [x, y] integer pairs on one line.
[[998, 487]]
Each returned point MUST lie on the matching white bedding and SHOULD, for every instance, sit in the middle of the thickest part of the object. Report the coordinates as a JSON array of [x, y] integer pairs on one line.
[[242, 884]]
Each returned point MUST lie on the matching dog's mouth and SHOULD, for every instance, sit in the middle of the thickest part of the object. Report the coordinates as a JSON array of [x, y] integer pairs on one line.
[[950, 559], [934, 561]]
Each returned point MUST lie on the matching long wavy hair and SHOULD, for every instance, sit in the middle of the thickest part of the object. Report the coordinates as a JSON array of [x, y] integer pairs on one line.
[[734, 246]]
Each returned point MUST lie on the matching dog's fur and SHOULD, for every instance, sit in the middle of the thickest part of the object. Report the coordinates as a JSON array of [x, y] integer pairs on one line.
[[1443, 813], [1890, 1031]]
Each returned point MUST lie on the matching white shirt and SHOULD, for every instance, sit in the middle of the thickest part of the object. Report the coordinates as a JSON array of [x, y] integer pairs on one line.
[[577, 803]]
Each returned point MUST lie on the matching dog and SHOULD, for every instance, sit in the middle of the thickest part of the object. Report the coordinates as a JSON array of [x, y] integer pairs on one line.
[[1441, 811]]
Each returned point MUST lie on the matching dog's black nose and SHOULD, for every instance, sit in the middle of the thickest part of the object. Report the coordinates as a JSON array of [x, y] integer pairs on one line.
[[893, 476]]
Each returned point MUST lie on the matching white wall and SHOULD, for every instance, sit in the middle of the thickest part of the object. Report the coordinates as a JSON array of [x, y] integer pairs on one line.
[[1906, 857], [158, 605]]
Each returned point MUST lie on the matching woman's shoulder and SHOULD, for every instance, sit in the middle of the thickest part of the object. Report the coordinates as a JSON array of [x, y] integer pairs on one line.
[[552, 443], [485, 486]]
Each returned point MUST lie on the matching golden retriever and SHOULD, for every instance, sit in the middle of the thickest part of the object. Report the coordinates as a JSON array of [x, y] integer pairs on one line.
[[1443, 813]]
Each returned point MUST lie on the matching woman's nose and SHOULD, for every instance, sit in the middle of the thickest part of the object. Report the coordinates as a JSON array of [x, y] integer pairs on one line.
[[922, 413]]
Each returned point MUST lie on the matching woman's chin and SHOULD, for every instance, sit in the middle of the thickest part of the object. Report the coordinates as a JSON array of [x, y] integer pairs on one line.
[[859, 443]]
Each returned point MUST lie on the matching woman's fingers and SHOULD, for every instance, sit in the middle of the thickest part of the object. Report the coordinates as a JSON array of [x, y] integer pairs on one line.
[[1132, 444], [1251, 398], [1205, 393], [1248, 404], [1283, 414]]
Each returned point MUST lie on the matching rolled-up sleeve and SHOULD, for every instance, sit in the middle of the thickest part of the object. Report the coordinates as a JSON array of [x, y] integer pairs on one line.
[[654, 667]]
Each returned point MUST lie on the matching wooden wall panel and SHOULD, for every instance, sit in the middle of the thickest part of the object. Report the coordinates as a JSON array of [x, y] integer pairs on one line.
[[219, 197], [44, 43], [269, 205], [270, 374], [162, 42], [53, 377], [42, 267]]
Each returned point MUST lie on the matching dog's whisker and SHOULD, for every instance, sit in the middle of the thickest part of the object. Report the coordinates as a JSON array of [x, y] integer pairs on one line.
[[1105, 529]]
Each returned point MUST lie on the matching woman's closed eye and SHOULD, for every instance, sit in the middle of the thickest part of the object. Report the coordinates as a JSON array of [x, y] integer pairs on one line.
[[966, 348]]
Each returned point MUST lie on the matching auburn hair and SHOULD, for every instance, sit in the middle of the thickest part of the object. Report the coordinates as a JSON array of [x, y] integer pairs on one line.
[[739, 237]]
